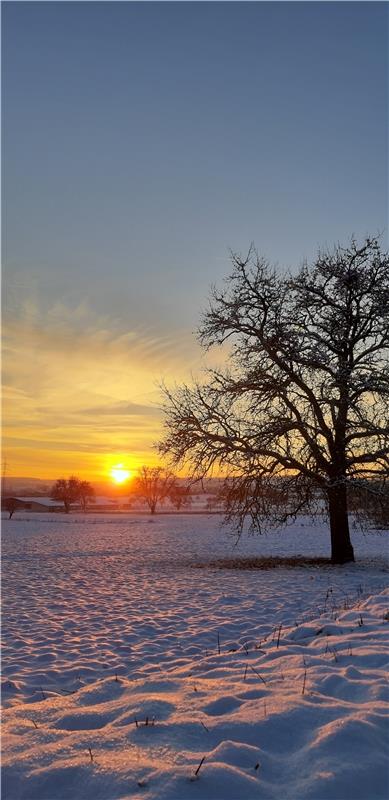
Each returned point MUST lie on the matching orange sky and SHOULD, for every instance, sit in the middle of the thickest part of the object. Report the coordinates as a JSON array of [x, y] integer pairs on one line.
[[80, 392]]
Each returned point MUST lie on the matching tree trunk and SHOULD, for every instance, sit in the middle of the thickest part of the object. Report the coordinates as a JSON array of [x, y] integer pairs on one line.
[[341, 547]]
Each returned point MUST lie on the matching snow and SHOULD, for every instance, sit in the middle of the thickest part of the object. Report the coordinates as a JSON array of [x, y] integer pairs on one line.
[[130, 656]]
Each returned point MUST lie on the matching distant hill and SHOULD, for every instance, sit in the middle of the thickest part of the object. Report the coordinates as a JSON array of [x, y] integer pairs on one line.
[[27, 486], [31, 487]]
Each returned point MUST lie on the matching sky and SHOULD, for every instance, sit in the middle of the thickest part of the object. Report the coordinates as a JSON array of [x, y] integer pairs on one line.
[[141, 141]]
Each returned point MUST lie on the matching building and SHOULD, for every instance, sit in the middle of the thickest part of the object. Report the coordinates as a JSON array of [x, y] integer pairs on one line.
[[31, 504], [48, 504]]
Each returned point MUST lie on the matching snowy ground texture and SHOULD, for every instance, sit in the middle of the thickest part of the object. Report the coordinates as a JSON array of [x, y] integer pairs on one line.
[[126, 664]]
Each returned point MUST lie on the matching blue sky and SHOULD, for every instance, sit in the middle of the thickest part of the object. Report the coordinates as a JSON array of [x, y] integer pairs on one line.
[[142, 140]]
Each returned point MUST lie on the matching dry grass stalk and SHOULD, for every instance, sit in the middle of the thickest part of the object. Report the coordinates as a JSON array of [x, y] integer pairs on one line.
[[257, 673], [199, 766]]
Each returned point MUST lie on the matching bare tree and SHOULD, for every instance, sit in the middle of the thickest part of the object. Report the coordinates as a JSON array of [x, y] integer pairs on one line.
[[180, 496], [66, 491], [301, 410], [154, 485], [86, 494], [369, 502], [10, 505]]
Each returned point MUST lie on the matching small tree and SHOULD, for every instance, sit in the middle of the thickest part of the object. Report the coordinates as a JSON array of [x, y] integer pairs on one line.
[[180, 496], [86, 494], [66, 491], [301, 411], [369, 502], [154, 485], [10, 505]]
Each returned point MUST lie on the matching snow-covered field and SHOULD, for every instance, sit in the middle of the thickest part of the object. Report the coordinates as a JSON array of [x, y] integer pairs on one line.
[[126, 663]]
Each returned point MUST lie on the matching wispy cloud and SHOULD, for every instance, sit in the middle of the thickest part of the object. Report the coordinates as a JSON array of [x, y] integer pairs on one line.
[[123, 410], [76, 382]]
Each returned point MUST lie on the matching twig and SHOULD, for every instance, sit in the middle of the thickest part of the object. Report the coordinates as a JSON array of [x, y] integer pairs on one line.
[[204, 726], [257, 673], [90, 753], [305, 678], [279, 634], [218, 646]]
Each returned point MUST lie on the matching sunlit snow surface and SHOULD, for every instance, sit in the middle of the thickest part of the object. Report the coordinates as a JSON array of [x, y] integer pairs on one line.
[[109, 623]]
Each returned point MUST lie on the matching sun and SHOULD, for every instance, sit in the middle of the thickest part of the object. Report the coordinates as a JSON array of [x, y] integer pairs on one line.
[[119, 474]]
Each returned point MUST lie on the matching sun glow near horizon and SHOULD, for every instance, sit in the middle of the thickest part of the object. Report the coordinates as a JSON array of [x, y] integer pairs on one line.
[[119, 474]]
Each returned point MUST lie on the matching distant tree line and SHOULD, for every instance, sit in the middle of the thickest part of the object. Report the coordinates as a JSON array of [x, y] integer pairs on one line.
[[153, 485]]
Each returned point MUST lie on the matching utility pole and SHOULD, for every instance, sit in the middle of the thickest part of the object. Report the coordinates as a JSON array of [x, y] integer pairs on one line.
[[4, 479]]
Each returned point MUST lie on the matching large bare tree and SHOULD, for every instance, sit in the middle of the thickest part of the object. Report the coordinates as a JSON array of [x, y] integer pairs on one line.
[[301, 409]]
